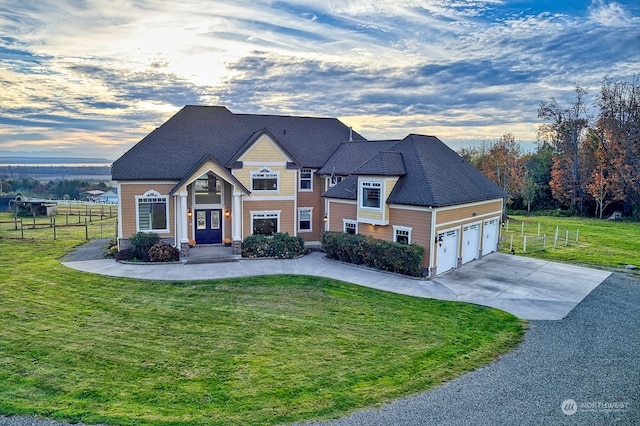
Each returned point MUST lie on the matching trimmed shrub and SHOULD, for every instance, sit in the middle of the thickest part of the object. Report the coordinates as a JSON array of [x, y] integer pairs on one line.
[[163, 252], [124, 255], [403, 259], [279, 245], [141, 243]]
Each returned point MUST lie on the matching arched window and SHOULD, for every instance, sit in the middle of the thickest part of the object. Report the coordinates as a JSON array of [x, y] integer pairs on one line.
[[152, 212]]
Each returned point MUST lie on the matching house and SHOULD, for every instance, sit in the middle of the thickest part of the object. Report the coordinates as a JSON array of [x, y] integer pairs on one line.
[[208, 175], [109, 197]]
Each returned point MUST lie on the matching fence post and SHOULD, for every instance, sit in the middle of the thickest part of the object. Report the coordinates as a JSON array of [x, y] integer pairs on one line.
[[522, 231], [538, 228], [34, 221], [511, 244], [54, 229], [86, 229], [21, 229], [15, 222], [566, 238], [544, 242], [507, 225], [90, 218], [577, 232], [524, 246]]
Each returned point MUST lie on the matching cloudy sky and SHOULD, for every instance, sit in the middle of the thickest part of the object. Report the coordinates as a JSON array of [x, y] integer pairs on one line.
[[92, 77]]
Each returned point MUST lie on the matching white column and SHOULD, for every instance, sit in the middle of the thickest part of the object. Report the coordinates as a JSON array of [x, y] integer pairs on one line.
[[182, 218], [236, 215]]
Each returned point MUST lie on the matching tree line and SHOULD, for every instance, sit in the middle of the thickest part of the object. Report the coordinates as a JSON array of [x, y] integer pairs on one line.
[[53, 189], [587, 159]]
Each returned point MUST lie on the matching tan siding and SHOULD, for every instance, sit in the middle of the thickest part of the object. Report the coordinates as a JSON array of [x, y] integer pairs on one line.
[[364, 214], [287, 214], [263, 149], [314, 200], [128, 193], [376, 231], [466, 212], [339, 211], [287, 183]]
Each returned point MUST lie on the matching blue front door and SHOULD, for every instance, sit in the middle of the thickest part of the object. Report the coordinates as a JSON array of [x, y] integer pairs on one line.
[[208, 226]]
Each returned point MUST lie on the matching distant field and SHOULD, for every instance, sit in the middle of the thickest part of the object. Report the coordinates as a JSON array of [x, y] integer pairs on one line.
[[606, 243]]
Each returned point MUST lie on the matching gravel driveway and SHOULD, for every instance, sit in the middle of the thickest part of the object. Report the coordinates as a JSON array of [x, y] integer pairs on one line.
[[586, 364]]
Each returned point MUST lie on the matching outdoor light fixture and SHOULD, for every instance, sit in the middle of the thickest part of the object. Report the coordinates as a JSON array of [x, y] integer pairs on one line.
[[189, 213], [439, 240], [227, 212], [325, 218]]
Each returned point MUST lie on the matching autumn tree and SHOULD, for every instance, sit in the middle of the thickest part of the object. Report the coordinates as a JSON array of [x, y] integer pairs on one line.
[[504, 165], [563, 129], [618, 126]]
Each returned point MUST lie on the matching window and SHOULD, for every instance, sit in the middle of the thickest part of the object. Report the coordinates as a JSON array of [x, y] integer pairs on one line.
[[350, 227], [304, 219], [402, 234], [208, 190], [264, 180], [265, 223], [371, 195], [152, 212], [306, 180], [334, 180]]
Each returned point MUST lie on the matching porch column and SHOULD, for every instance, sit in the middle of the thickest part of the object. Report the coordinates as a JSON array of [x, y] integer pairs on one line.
[[236, 223], [182, 223]]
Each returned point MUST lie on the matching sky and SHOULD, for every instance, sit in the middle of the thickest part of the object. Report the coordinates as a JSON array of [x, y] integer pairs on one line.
[[90, 78]]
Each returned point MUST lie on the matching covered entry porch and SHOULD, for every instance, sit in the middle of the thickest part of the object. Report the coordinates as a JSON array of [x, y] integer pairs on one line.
[[208, 209]]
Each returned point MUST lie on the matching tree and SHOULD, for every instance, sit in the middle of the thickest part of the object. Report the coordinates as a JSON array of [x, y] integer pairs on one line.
[[529, 191], [504, 165], [619, 129], [563, 130]]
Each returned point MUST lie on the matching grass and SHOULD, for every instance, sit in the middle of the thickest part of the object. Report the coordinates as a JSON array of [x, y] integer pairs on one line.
[[70, 224], [262, 350], [602, 243]]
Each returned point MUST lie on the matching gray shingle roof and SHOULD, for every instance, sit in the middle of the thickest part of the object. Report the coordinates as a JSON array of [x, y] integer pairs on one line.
[[351, 155], [173, 149], [385, 164], [435, 176]]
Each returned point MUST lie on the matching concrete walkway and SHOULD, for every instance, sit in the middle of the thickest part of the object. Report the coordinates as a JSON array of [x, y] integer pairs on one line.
[[528, 288]]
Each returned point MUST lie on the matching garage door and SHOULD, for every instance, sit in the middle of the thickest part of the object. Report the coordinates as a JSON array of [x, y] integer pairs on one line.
[[490, 236], [470, 242], [448, 251]]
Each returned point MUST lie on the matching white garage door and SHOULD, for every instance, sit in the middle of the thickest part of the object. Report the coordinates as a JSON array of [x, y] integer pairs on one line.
[[448, 251], [490, 236], [470, 242]]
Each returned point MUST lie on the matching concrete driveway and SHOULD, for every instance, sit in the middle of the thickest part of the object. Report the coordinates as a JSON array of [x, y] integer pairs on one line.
[[528, 288]]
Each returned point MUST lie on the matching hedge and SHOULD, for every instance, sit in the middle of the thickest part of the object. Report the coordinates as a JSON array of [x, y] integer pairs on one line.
[[403, 259], [279, 245]]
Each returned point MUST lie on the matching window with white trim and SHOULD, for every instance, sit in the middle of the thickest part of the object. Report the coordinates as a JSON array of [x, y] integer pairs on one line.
[[265, 223], [402, 234], [208, 190], [265, 180], [304, 219], [371, 195], [334, 180], [350, 226], [152, 212], [306, 180]]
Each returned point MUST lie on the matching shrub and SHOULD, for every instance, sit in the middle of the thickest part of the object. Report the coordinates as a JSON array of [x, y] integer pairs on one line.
[[124, 255], [163, 252], [141, 243], [279, 245], [383, 255], [111, 249]]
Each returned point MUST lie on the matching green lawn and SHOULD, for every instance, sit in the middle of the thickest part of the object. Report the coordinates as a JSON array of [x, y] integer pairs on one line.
[[603, 243], [264, 350]]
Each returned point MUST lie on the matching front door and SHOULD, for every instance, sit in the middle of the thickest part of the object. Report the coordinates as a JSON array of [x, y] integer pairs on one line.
[[208, 226]]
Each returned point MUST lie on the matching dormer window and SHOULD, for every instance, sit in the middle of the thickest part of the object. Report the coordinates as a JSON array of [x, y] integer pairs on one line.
[[265, 180], [371, 195]]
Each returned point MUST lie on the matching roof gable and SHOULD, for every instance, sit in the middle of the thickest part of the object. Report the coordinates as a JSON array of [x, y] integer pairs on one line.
[[263, 146]]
